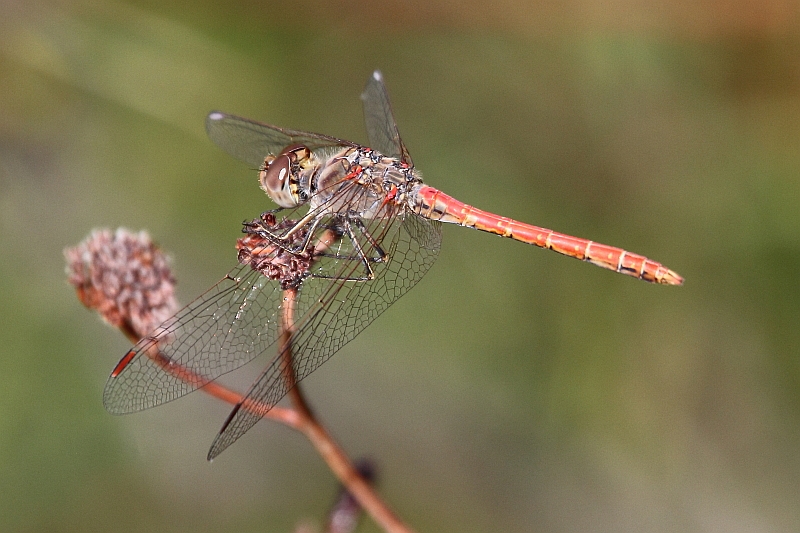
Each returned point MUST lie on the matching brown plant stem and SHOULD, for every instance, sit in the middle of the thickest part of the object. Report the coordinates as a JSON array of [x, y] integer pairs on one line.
[[285, 349], [300, 418], [334, 456], [290, 417]]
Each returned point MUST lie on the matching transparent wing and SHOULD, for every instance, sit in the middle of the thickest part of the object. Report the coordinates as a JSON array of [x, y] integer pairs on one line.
[[369, 264], [224, 328], [381, 126], [331, 315], [251, 141], [221, 330]]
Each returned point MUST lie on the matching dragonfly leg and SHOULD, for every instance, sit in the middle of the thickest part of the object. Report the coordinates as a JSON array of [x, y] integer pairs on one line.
[[371, 240], [357, 246], [345, 227], [318, 238], [266, 225]]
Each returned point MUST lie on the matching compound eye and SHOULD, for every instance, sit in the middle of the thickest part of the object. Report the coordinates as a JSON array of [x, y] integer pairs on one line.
[[297, 152], [275, 177]]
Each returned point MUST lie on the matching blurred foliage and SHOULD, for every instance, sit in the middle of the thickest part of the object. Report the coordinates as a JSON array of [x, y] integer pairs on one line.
[[513, 390]]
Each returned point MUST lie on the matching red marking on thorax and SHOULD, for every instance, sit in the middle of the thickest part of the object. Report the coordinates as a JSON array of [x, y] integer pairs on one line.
[[390, 195], [354, 173]]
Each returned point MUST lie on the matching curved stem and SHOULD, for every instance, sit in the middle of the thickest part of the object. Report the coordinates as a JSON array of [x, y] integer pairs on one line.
[[334, 456], [285, 351], [280, 414], [300, 418]]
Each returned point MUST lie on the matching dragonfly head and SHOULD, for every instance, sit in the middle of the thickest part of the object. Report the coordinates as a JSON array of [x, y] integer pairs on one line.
[[280, 175]]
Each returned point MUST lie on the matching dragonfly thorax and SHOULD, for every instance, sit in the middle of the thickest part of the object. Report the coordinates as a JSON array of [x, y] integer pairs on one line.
[[360, 180], [353, 179]]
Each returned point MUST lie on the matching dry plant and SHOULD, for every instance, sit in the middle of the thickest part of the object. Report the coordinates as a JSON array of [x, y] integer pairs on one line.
[[126, 278]]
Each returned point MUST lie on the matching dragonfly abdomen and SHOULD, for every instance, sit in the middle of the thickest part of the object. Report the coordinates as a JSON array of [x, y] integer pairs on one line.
[[434, 204]]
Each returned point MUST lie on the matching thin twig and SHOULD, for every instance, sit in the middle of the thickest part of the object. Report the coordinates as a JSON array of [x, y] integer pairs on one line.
[[104, 257], [285, 351], [337, 459], [289, 417], [300, 418]]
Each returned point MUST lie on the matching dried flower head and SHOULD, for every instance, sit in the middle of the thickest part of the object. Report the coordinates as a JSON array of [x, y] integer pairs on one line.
[[262, 251], [125, 277]]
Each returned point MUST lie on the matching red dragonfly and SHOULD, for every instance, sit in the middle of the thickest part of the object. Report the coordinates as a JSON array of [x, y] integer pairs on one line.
[[355, 229]]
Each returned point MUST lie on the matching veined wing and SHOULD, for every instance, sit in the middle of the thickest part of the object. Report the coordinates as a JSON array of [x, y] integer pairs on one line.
[[399, 248], [239, 318], [251, 141], [224, 328], [381, 126]]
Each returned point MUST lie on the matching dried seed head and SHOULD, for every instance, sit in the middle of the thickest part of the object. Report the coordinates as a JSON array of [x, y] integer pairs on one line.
[[260, 250], [125, 277]]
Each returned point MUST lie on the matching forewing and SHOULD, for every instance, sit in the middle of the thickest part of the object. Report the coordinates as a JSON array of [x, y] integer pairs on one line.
[[224, 328], [251, 141], [329, 315], [381, 126]]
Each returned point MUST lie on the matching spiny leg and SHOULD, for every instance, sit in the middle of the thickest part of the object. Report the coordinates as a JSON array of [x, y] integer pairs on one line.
[[344, 227]]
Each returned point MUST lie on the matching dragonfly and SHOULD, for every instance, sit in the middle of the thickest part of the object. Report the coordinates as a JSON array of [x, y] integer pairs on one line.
[[355, 228]]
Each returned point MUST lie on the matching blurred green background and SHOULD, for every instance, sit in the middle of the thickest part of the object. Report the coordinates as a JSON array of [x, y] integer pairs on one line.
[[513, 389]]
